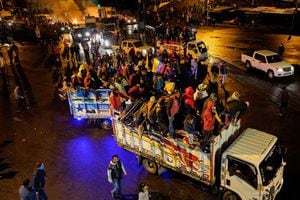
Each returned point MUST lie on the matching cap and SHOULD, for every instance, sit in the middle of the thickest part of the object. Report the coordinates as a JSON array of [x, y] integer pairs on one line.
[[213, 96], [152, 99], [236, 95], [40, 166], [202, 86]]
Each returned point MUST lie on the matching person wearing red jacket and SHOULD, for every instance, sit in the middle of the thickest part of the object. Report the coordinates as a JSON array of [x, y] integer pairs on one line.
[[137, 91], [189, 102], [115, 99], [209, 115]]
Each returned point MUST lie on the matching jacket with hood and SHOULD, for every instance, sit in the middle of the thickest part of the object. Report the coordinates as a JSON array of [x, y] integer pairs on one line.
[[188, 98]]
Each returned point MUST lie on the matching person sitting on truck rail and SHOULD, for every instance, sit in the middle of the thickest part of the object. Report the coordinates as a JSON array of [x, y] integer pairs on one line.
[[158, 117], [115, 99], [235, 107]]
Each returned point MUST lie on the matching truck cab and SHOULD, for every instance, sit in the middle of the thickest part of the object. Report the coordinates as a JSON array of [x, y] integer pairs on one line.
[[197, 49], [252, 167]]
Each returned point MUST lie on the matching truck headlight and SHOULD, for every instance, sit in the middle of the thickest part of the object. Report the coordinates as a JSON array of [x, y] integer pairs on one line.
[[62, 28], [280, 70], [292, 69], [98, 37], [79, 35], [87, 34], [106, 43]]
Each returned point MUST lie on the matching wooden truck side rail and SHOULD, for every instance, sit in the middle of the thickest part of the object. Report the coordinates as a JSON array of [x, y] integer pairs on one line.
[[174, 153]]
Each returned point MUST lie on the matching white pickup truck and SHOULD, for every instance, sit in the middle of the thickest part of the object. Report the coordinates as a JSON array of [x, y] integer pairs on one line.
[[137, 45], [269, 62], [195, 48]]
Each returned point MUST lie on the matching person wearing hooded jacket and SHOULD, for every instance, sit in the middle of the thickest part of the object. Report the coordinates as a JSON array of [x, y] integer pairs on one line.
[[209, 115], [115, 172], [189, 103]]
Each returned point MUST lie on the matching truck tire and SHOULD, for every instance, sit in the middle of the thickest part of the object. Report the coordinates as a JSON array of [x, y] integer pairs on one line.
[[270, 74], [150, 166], [228, 195], [106, 124], [248, 65]]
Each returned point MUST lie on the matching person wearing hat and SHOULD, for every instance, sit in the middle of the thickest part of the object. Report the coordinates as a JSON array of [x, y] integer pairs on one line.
[[39, 181], [209, 115], [200, 95], [235, 107], [234, 97]]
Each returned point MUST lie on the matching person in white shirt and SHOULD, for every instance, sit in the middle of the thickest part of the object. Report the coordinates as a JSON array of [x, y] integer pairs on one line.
[[144, 192]]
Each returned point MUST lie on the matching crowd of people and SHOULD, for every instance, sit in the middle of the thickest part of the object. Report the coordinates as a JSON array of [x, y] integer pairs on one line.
[[35, 189], [182, 98]]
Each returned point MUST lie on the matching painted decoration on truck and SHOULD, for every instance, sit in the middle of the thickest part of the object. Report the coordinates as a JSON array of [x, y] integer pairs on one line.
[[89, 103], [170, 152]]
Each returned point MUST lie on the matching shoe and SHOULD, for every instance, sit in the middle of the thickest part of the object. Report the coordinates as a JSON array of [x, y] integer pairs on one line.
[[112, 194], [17, 119], [119, 196]]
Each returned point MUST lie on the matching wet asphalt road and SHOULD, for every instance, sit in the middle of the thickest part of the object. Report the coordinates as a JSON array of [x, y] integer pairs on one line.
[[76, 155]]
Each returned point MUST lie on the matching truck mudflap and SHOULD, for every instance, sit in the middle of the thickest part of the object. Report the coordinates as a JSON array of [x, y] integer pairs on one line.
[[172, 153]]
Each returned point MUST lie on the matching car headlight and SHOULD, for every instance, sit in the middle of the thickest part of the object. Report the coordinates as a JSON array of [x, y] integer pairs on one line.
[[62, 28], [79, 35], [106, 43], [280, 70], [129, 21], [98, 37], [292, 69], [87, 34], [134, 20]]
